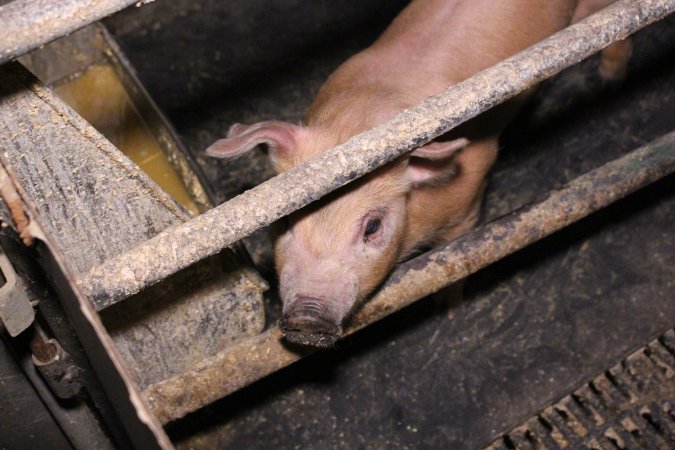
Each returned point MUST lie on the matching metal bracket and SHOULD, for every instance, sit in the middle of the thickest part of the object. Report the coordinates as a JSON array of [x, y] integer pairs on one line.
[[55, 365], [16, 311]]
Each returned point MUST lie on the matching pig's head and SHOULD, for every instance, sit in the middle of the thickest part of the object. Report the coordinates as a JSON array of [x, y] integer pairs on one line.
[[336, 251]]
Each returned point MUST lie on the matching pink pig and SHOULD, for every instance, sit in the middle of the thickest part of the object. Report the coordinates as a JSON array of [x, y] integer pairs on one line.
[[336, 251]]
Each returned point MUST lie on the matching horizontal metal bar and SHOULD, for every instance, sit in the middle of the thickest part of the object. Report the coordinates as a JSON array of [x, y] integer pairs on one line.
[[28, 24], [250, 360], [182, 245]]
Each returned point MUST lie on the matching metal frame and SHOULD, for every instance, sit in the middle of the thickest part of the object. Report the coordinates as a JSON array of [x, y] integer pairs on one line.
[[185, 244], [180, 246]]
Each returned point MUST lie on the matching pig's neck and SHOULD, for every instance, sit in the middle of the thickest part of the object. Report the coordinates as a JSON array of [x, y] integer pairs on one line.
[[432, 222], [340, 113], [438, 214]]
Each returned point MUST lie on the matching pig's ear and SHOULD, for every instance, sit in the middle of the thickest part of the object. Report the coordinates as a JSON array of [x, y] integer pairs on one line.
[[433, 163], [280, 138]]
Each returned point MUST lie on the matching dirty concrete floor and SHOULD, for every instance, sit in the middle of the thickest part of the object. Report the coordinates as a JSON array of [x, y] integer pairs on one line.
[[529, 329]]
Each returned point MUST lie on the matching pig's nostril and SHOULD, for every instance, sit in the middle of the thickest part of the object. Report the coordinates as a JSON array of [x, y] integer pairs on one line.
[[307, 324]]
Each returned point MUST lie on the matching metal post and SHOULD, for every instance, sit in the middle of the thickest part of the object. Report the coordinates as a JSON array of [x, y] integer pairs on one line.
[[182, 245], [254, 358]]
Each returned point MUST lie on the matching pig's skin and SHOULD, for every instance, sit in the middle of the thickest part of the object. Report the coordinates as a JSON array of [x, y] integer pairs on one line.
[[336, 251]]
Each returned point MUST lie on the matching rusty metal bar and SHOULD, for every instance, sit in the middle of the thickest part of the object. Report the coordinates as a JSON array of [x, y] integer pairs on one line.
[[182, 245], [242, 364], [28, 24]]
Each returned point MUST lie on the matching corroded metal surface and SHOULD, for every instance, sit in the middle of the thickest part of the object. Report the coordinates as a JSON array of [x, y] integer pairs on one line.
[[140, 425], [15, 207], [97, 204], [73, 55], [66, 182], [28, 24], [191, 316], [183, 245], [251, 360]]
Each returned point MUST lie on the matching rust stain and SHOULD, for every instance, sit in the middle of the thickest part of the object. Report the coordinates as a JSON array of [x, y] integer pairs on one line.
[[16, 207]]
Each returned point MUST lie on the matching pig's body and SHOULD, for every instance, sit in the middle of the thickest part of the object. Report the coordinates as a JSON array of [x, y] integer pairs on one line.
[[335, 252], [431, 45]]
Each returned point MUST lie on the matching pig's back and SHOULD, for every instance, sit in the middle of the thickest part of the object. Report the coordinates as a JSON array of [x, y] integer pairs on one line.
[[457, 38], [430, 46]]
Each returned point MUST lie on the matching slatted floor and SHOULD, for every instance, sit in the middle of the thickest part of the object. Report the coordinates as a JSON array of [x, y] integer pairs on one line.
[[629, 406]]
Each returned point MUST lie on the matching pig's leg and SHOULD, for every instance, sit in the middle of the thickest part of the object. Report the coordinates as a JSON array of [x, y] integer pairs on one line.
[[447, 299], [614, 58], [473, 164], [468, 186], [614, 61]]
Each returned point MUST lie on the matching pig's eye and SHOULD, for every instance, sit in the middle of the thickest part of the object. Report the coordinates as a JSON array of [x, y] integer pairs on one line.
[[372, 227]]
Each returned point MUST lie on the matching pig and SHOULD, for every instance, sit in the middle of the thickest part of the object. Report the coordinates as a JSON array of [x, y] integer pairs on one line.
[[333, 253]]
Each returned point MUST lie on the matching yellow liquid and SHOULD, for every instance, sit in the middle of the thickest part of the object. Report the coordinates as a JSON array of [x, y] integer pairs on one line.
[[99, 97]]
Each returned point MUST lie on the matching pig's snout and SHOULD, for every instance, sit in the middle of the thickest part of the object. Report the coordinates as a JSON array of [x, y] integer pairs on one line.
[[308, 322]]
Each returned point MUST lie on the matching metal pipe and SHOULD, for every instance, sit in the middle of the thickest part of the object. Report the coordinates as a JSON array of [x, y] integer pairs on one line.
[[28, 24], [182, 245], [254, 358]]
